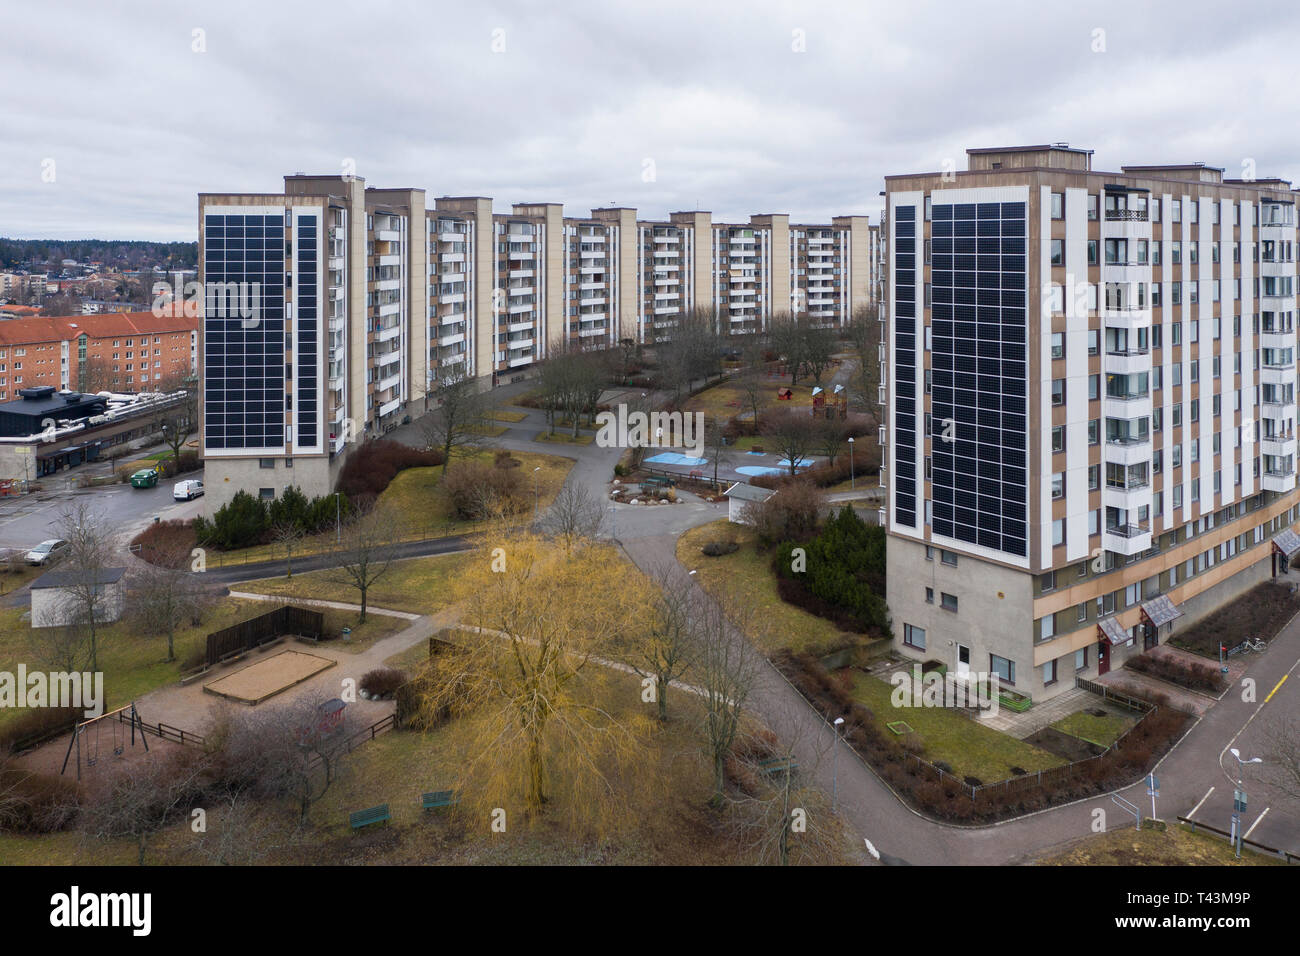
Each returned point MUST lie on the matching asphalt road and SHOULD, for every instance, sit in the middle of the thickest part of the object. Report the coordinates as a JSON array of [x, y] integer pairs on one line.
[[29, 519]]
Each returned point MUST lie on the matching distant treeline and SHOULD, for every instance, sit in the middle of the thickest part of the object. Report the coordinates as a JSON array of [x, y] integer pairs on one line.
[[119, 253]]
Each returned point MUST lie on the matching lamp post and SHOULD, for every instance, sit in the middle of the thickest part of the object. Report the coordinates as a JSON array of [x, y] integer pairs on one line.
[[835, 764], [338, 522], [852, 482], [536, 492], [1239, 799]]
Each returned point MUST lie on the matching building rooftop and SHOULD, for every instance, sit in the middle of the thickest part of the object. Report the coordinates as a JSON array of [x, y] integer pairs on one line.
[[74, 577]]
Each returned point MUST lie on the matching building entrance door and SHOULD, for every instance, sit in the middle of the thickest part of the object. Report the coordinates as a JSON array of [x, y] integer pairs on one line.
[[963, 660], [1103, 658]]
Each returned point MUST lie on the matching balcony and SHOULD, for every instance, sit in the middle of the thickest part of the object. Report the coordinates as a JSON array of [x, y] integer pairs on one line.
[[1126, 361], [1126, 215], [1127, 539], [1280, 443], [1128, 451], [1277, 479]]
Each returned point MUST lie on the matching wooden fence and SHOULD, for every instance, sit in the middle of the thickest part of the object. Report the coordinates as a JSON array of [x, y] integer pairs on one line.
[[246, 635]]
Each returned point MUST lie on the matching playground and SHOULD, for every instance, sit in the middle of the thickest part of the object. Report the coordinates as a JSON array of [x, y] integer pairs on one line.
[[266, 678]]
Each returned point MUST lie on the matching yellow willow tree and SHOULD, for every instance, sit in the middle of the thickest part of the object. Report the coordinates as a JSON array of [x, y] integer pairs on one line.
[[543, 715]]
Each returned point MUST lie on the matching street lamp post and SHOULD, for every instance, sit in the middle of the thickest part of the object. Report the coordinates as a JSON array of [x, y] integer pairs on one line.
[[338, 523], [835, 764], [852, 483], [1239, 799], [536, 492]]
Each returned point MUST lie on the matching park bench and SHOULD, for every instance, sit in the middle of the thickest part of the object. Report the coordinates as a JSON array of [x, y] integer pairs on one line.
[[778, 765], [655, 482], [439, 798], [363, 818]]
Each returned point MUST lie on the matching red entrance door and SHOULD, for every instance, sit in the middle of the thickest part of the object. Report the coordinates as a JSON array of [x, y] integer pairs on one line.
[[1103, 657]]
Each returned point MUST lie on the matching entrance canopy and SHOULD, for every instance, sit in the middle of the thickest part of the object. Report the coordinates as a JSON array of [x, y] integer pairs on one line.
[[1286, 543], [1160, 610], [1110, 629]]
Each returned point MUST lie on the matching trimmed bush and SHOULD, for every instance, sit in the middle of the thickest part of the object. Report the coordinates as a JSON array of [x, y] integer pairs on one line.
[[372, 467], [382, 681], [245, 521], [1190, 674], [477, 490], [167, 543]]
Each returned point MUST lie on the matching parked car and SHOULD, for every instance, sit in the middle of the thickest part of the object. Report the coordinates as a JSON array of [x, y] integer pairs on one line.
[[145, 478], [47, 552], [185, 490]]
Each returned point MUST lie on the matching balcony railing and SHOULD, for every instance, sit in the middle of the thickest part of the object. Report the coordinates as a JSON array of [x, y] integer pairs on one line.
[[1126, 215], [1128, 440], [1128, 530], [1134, 484], [1128, 353]]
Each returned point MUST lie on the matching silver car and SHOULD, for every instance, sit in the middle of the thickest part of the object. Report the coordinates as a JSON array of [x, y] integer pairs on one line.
[[47, 552]]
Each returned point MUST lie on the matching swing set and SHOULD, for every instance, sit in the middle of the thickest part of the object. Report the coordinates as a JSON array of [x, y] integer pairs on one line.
[[92, 729]]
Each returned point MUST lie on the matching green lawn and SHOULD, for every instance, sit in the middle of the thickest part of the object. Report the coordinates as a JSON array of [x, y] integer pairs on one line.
[[415, 494], [745, 578], [1102, 731], [728, 399], [417, 585], [133, 665], [970, 748], [507, 415], [566, 438]]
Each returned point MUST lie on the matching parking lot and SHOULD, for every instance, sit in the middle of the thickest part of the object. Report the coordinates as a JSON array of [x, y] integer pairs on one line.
[[26, 520]]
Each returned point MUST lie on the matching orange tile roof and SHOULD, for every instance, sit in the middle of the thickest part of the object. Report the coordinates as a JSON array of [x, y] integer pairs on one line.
[[41, 328]]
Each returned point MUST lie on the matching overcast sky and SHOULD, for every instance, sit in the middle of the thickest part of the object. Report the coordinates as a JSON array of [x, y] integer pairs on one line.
[[798, 107]]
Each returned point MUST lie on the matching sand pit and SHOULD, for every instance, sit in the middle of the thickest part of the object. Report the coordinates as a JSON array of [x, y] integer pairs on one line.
[[257, 682]]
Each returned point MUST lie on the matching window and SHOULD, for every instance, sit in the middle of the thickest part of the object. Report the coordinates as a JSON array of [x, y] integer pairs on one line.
[[1005, 669], [266, 463], [1047, 582], [929, 553], [914, 636], [1081, 614], [266, 494], [1092, 252], [948, 601], [948, 557], [1058, 485], [1049, 673], [1094, 431], [1058, 391], [1058, 528], [1081, 658], [1058, 252], [929, 595], [1092, 206], [1047, 627], [1058, 438], [1058, 345], [1058, 205]]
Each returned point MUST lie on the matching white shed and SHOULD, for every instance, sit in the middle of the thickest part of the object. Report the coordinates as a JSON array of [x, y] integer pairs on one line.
[[741, 494], [55, 595]]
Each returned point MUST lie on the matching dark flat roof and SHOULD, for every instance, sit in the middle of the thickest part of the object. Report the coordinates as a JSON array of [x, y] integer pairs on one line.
[[63, 579]]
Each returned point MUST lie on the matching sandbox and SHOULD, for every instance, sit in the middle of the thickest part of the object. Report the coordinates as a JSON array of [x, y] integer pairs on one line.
[[256, 682]]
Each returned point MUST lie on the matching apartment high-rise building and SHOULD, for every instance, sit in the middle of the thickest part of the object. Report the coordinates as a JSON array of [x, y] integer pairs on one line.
[[1091, 407], [333, 310]]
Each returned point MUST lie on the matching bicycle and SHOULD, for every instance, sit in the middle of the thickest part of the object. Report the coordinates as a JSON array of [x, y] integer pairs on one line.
[[1259, 645]]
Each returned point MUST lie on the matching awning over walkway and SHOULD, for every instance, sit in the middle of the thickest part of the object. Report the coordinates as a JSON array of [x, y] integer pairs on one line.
[[1160, 610], [1286, 542], [1110, 628]]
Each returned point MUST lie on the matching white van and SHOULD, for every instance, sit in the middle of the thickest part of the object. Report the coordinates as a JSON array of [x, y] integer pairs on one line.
[[185, 490]]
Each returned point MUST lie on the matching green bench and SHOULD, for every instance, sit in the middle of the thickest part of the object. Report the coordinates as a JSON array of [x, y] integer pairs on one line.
[[439, 798], [778, 765], [364, 818]]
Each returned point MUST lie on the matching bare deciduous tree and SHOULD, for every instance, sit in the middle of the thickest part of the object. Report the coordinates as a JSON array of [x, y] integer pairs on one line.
[[87, 558], [793, 434], [140, 800], [575, 515], [669, 647], [728, 670], [368, 549], [165, 594], [462, 416]]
